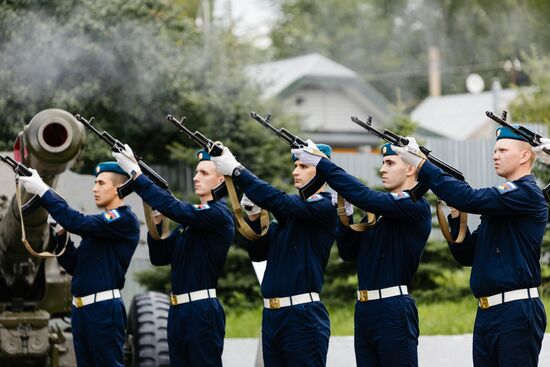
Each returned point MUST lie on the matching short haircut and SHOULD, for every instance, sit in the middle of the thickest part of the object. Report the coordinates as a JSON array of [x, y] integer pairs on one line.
[[526, 146], [117, 178]]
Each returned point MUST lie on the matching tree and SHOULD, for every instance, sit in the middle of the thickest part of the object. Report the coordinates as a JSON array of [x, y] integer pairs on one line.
[[387, 42], [129, 63]]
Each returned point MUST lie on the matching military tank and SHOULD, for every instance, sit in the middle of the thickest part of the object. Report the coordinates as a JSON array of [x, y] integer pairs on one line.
[[35, 297]]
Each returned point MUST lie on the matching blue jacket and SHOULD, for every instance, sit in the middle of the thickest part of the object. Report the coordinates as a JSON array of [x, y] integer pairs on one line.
[[389, 253], [504, 251], [197, 249], [297, 245], [108, 243]]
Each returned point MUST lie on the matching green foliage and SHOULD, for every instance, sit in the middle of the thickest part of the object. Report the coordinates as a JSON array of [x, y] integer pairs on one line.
[[534, 105], [238, 285], [156, 279], [340, 279]]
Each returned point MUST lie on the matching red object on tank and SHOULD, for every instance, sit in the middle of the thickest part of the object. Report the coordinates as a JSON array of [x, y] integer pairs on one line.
[[17, 150]]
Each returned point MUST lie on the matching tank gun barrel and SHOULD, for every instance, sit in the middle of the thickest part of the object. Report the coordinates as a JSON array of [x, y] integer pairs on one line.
[[49, 143]]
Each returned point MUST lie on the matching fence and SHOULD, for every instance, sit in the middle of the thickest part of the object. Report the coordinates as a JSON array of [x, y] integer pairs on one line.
[[473, 158]]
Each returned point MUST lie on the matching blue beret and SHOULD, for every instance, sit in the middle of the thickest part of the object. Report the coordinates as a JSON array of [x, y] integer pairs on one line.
[[109, 166], [324, 148], [387, 150], [203, 155], [505, 133]]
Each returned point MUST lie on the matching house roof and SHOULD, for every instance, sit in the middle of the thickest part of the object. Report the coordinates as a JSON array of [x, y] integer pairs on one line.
[[283, 77], [276, 76], [458, 116]]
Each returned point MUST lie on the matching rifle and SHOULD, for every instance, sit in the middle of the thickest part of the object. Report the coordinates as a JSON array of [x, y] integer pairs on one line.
[[420, 189], [213, 148], [397, 140], [294, 142], [22, 170], [18, 168], [533, 138], [117, 146]]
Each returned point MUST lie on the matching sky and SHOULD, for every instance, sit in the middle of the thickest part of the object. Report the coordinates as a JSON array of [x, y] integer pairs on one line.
[[253, 18]]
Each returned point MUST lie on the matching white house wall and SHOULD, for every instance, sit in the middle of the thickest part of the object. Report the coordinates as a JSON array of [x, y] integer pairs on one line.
[[325, 110]]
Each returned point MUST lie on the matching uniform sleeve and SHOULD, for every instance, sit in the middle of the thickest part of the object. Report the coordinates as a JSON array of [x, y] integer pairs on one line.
[[160, 251], [347, 241], [488, 200], [258, 250], [379, 203], [283, 205], [205, 216], [462, 252], [68, 259], [100, 225]]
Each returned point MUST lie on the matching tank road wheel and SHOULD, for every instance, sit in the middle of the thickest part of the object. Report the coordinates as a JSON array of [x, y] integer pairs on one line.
[[146, 340]]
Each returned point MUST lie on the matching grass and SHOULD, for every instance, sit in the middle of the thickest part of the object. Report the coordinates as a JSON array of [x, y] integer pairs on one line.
[[444, 318]]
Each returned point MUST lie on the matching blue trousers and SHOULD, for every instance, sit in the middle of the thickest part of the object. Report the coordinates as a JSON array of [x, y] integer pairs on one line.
[[195, 333], [98, 333], [296, 335], [509, 334], [386, 332]]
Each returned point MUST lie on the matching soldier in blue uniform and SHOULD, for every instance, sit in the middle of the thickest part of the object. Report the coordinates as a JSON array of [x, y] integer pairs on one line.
[[387, 255], [503, 251], [196, 250], [98, 266], [295, 325]]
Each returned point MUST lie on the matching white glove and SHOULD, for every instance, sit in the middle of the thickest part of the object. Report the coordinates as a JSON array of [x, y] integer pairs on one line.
[[56, 226], [309, 155], [347, 206], [411, 153], [226, 163], [127, 161], [541, 155], [34, 184], [249, 207]]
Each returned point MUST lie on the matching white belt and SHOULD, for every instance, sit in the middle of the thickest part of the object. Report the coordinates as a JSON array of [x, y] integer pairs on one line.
[[298, 299], [96, 297], [365, 295], [178, 299], [497, 299]]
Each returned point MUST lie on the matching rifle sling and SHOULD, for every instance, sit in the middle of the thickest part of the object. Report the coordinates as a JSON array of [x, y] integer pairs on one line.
[[42, 254], [445, 230], [357, 227], [242, 226], [151, 227]]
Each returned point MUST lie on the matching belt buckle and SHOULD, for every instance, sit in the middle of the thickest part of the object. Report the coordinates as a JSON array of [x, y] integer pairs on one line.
[[483, 303], [78, 302], [363, 296], [274, 303], [173, 300]]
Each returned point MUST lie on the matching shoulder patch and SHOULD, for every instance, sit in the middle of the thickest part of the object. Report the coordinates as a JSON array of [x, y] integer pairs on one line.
[[506, 187], [111, 215], [400, 195], [199, 207], [315, 197]]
